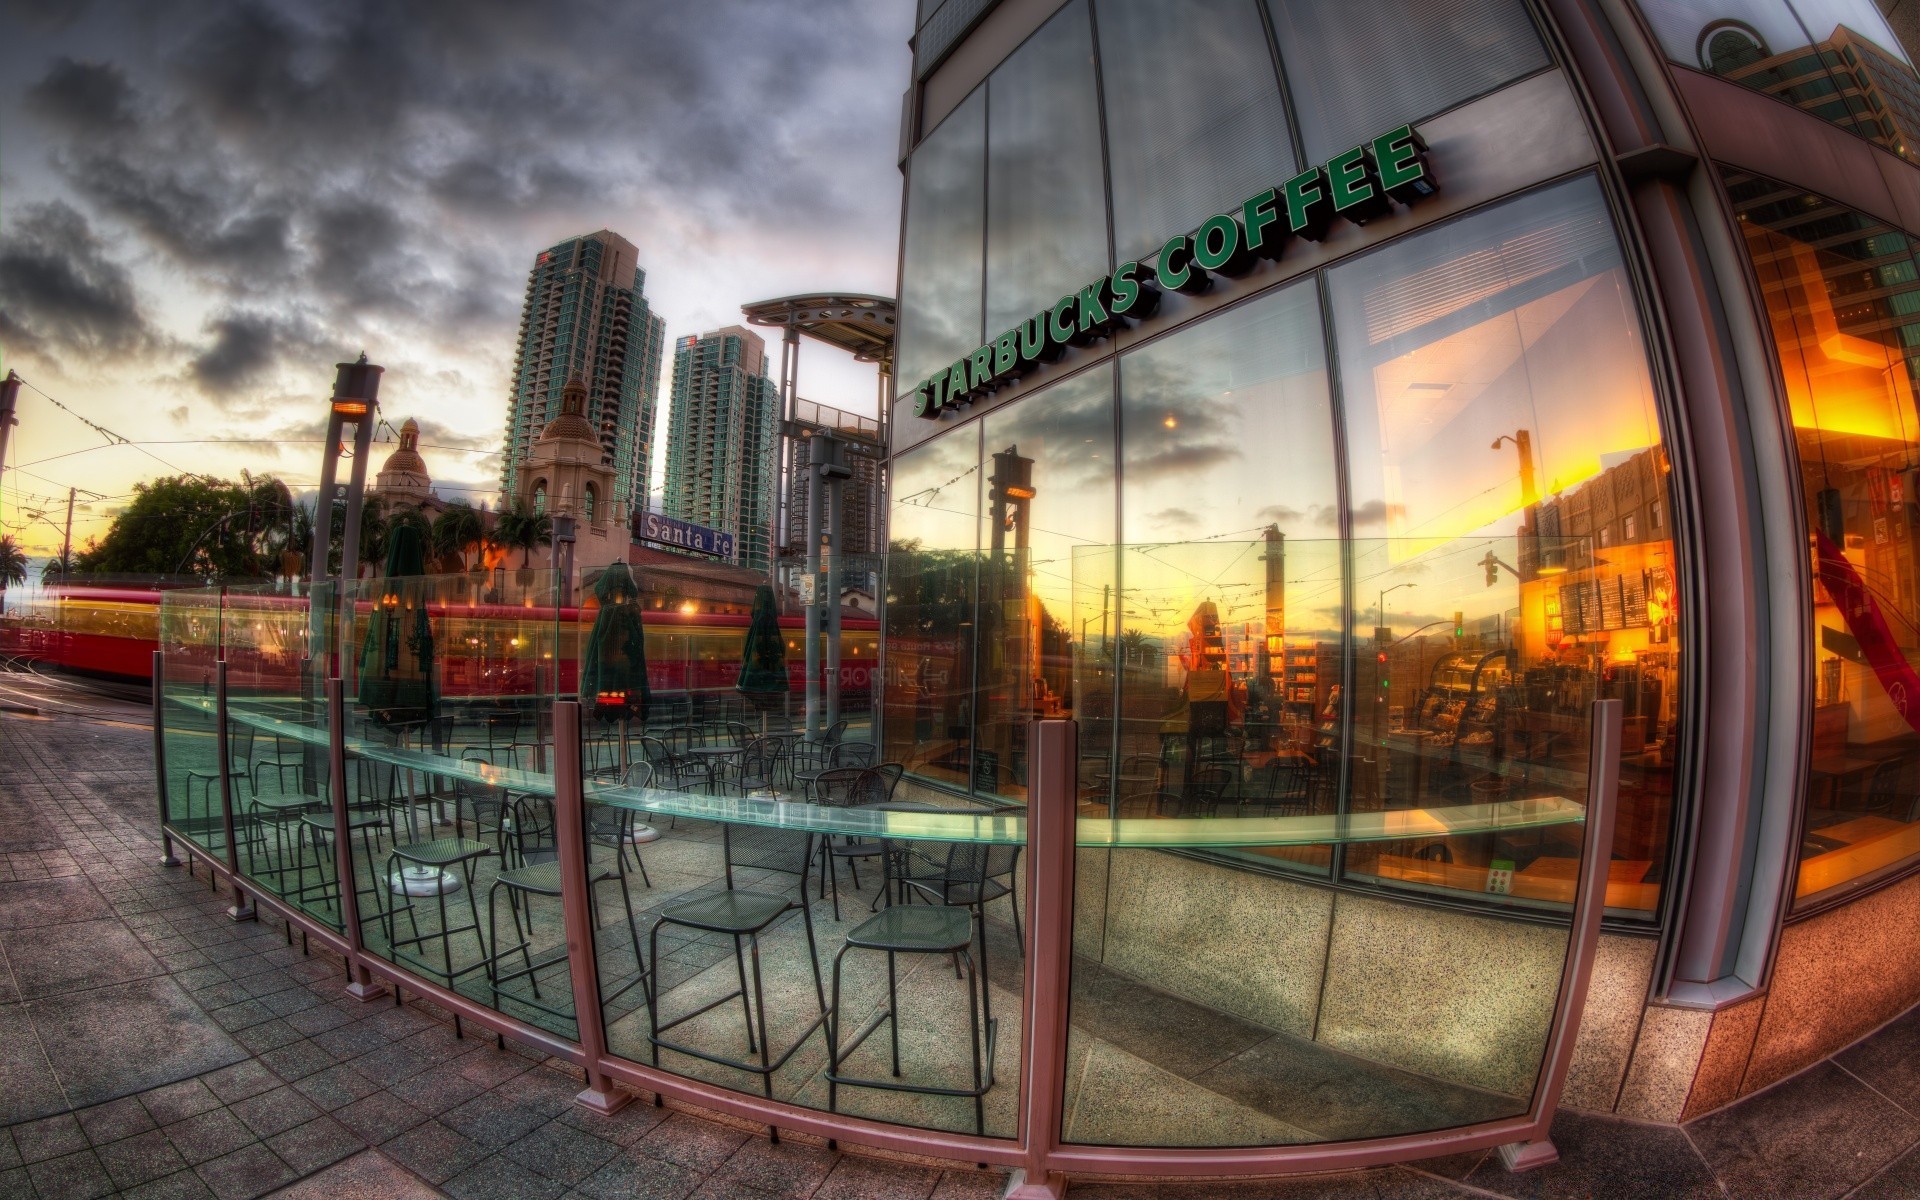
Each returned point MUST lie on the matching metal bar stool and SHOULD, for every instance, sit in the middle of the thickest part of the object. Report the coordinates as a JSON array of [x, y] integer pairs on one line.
[[743, 915], [944, 929]]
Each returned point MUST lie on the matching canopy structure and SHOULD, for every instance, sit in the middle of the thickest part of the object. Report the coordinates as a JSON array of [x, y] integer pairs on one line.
[[861, 325]]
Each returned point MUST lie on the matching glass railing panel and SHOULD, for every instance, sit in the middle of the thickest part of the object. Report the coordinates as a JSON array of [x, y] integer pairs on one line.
[[190, 647], [449, 684], [755, 827], [1222, 993]]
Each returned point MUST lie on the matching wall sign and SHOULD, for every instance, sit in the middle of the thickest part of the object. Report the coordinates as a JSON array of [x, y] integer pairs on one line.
[[1357, 185], [671, 531]]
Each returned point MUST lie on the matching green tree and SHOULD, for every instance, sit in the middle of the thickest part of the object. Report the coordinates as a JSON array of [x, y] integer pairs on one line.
[[13, 567], [57, 569], [375, 526], [458, 530], [518, 527], [186, 525]]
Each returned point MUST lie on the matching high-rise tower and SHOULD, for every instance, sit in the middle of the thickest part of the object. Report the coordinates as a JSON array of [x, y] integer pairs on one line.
[[586, 315], [720, 445]]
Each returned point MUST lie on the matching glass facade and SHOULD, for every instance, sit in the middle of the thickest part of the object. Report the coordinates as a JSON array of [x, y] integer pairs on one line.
[[940, 264], [1842, 295], [1835, 59]]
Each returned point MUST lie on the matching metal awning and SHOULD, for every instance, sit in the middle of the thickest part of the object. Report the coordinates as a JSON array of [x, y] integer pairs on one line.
[[861, 325]]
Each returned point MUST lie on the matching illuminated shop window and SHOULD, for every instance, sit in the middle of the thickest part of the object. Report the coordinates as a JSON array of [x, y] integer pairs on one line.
[[1834, 282]]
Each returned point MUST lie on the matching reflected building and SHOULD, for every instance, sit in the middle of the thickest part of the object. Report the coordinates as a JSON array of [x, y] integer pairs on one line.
[[1260, 406], [721, 452]]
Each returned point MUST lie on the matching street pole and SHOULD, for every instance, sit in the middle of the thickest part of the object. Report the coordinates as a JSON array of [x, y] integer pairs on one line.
[[9, 397], [66, 539]]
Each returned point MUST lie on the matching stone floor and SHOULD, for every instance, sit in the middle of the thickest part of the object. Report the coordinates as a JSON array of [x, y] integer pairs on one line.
[[151, 1047]]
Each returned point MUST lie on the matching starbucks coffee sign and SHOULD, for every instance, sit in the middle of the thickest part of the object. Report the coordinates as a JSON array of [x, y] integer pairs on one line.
[[1360, 185]]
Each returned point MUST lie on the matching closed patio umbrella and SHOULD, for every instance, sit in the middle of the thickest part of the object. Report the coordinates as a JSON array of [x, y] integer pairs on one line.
[[396, 656], [613, 667], [763, 661]]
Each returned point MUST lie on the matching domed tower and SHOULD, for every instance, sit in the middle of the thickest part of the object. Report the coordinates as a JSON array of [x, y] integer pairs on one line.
[[568, 473], [403, 477]]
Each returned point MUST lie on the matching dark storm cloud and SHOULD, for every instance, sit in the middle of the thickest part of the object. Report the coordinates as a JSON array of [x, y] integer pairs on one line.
[[392, 168], [61, 294]]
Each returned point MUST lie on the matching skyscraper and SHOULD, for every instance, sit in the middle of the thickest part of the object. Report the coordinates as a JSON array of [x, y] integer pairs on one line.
[[586, 315], [720, 445]]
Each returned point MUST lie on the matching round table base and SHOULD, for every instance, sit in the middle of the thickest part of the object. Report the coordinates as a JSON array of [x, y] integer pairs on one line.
[[643, 834], [423, 881]]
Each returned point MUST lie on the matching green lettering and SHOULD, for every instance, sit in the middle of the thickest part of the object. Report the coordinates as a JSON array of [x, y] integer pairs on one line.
[[1308, 209], [1259, 215], [923, 405], [1355, 187], [1035, 346], [1095, 321], [981, 375], [1059, 332], [957, 383], [1132, 296], [1400, 160], [1006, 354], [1176, 270], [1220, 246]]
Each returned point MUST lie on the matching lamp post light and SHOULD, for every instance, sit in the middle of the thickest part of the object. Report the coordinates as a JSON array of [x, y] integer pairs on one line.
[[1381, 606]]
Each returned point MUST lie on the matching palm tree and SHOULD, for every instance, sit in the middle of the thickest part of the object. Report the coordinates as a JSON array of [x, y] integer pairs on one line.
[[519, 527], [458, 530], [57, 569], [374, 528], [13, 567]]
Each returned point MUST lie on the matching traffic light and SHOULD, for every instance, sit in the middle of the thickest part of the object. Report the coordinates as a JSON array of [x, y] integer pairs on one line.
[[1383, 668], [1459, 624]]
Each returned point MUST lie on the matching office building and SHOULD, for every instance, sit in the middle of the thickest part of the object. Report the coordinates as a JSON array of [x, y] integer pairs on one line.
[[586, 314], [860, 497], [721, 448]]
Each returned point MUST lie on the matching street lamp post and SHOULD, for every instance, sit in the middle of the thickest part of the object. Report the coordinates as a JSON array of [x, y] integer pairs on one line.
[[1381, 607]]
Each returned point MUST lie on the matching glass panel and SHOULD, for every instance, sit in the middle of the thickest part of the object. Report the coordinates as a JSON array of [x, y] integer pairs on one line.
[[940, 268], [190, 643], [1226, 434], [755, 871], [450, 683], [1358, 70], [1836, 59], [1195, 123], [1046, 226], [1510, 339], [1839, 291], [1049, 494], [932, 574], [1218, 999]]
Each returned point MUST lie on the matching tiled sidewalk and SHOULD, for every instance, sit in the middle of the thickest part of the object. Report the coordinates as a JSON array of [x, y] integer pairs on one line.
[[150, 1047]]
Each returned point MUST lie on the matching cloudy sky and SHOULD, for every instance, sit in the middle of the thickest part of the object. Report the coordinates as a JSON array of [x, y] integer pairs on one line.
[[205, 204]]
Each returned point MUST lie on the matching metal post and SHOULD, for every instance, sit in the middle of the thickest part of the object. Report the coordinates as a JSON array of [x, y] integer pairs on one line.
[[1051, 819], [242, 908], [9, 400], [816, 450], [362, 985], [356, 497], [576, 905], [1583, 938], [832, 570], [167, 858]]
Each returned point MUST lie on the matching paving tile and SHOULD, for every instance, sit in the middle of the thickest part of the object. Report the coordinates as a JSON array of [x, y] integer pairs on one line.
[[176, 1101], [49, 1137], [39, 903], [368, 1173], [500, 1178], [241, 1080], [51, 960], [248, 1172], [1820, 1133], [9, 1153], [970, 1185], [623, 1128], [114, 1120], [1888, 1061], [296, 1060], [274, 1112], [70, 1177], [269, 1035], [494, 1119], [32, 1089], [113, 1041], [561, 1152], [335, 1087], [788, 1169], [635, 1176], [321, 1141], [691, 1142], [208, 1136], [140, 1159], [434, 1152], [14, 1181], [856, 1178], [1600, 1155], [1900, 1181], [182, 1185], [379, 1117], [440, 1088]]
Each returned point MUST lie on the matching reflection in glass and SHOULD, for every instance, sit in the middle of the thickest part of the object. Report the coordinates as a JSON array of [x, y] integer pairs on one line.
[[1358, 70], [1195, 123], [1046, 227], [1842, 292], [1496, 385], [1835, 59], [1049, 462], [940, 267], [932, 571]]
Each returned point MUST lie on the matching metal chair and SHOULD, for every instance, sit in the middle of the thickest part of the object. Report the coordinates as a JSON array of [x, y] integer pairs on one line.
[[287, 756], [845, 787], [744, 915], [945, 928], [239, 763], [758, 765]]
